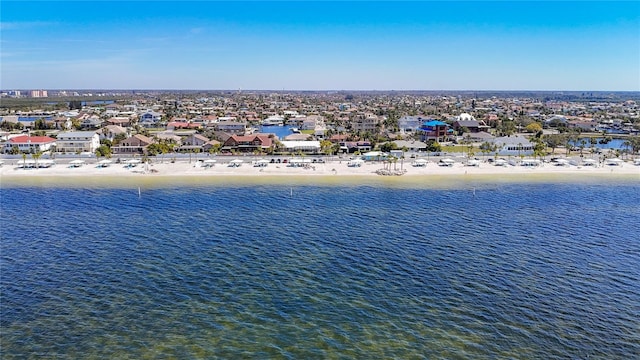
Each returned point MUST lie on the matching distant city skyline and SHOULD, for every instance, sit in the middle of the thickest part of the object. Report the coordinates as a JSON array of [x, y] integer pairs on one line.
[[211, 45]]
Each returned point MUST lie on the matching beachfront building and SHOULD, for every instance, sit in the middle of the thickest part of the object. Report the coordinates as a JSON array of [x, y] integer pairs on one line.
[[353, 146], [434, 130], [513, 145], [77, 142], [136, 144], [310, 147], [411, 145], [193, 143], [29, 144], [248, 143]]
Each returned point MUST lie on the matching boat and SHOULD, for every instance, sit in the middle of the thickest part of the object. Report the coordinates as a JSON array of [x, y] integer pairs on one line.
[[295, 130], [273, 120]]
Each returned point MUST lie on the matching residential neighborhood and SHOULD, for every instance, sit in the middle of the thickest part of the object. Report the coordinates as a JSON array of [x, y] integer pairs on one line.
[[263, 122]]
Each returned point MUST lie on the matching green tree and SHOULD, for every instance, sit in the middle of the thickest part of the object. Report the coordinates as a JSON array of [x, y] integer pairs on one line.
[[106, 142], [539, 148], [118, 138], [487, 147], [388, 146], [215, 149], [103, 151], [36, 156], [326, 146], [534, 127], [40, 124], [506, 128], [434, 146], [553, 141], [75, 105]]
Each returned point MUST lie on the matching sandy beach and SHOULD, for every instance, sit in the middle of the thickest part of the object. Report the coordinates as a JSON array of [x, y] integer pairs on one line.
[[332, 172]]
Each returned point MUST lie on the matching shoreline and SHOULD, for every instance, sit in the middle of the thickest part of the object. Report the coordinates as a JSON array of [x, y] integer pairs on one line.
[[166, 175]]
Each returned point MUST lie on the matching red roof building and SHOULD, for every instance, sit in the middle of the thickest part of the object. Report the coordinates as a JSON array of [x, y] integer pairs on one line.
[[30, 144]]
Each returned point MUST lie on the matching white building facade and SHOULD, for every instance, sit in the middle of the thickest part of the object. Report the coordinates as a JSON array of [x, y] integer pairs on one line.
[[77, 141]]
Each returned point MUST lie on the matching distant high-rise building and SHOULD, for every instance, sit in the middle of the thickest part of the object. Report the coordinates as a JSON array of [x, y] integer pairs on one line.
[[38, 93]]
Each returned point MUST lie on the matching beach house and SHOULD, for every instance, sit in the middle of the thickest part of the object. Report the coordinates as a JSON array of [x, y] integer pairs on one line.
[[248, 143], [434, 130], [310, 147], [193, 142], [29, 144], [513, 145], [77, 141], [136, 144]]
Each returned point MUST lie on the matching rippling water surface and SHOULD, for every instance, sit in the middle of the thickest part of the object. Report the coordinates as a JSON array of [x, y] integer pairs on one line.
[[506, 271]]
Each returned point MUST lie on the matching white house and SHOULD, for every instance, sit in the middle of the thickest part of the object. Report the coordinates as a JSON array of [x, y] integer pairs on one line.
[[29, 144], [304, 146], [513, 145], [77, 141]]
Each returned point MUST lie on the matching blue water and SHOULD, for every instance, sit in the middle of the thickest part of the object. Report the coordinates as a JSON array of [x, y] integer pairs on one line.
[[612, 144], [280, 131], [34, 118], [530, 271]]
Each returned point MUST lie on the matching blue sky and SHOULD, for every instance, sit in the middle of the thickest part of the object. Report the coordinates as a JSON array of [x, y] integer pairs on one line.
[[448, 45]]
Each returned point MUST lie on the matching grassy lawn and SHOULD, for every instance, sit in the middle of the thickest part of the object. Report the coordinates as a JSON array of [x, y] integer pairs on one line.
[[457, 148]]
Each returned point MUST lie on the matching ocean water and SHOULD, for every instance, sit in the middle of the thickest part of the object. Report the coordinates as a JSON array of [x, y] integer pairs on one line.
[[522, 271]]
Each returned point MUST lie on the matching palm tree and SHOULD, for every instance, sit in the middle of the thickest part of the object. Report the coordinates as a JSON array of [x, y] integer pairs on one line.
[[24, 160], [35, 157]]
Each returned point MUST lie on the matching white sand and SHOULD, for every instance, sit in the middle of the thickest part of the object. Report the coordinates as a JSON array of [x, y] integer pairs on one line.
[[333, 172]]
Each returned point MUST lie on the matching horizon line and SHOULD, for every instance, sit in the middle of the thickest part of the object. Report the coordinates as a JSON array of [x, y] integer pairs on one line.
[[319, 90]]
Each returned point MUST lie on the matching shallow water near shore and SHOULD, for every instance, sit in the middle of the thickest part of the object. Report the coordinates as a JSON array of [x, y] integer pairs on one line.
[[497, 270], [461, 181]]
